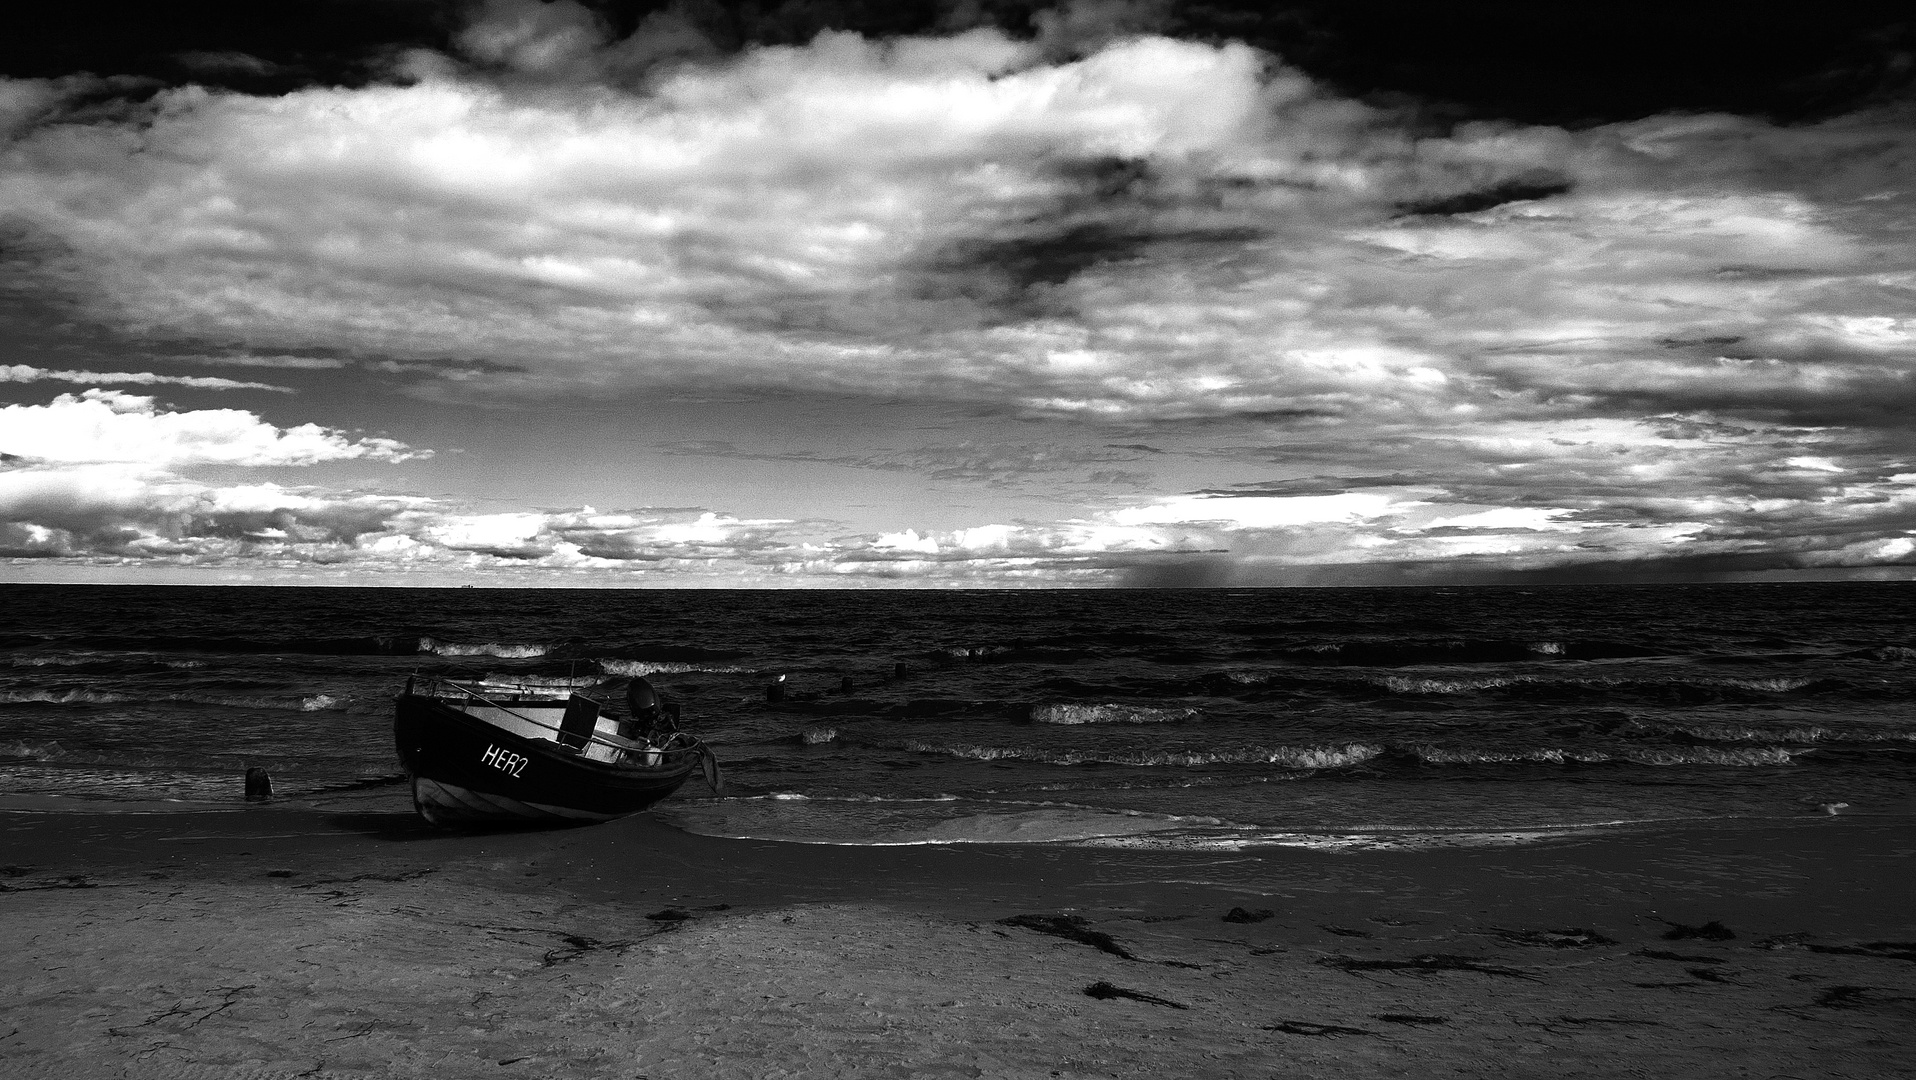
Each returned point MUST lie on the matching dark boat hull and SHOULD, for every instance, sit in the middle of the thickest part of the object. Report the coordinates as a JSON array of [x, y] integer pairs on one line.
[[468, 773]]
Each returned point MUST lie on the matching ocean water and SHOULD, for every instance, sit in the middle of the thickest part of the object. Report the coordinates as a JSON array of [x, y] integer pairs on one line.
[[1346, 719]]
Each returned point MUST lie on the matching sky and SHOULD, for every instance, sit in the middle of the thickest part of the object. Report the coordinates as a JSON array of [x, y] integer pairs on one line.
[[958, 294]]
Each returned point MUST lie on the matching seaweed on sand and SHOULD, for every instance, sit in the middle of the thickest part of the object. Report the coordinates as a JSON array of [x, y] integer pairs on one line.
[[1071, 928], [1575, 937], [1428, 962], [1305, 1027], [1105, 991]]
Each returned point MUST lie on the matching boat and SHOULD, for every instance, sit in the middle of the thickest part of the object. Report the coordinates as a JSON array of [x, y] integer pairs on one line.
[[492, 754]]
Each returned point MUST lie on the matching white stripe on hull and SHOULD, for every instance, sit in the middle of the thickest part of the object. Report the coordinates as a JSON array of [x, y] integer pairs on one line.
[[449, 804]]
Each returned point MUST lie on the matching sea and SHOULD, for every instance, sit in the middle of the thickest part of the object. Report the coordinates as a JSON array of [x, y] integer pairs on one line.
[[1343, 719]]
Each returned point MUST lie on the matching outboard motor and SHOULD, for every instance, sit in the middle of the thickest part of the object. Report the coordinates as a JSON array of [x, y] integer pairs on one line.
[[653, 714], [643, 704]]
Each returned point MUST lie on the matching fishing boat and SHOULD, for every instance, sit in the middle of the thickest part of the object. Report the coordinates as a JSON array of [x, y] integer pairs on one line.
[[489, 754]]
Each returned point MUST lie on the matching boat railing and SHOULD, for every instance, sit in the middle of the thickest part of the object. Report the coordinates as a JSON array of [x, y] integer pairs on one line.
[[678, 743]]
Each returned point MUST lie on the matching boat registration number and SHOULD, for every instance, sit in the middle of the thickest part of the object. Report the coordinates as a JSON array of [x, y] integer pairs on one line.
[[505, 760]]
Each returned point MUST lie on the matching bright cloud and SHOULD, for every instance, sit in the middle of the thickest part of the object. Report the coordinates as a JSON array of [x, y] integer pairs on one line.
[[1160, 228], [113, 426], [22, 373], [1496, 345], [1264, 513]]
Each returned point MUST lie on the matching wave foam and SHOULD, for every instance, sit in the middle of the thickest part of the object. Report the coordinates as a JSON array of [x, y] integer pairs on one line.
[[538, 682], [68, 696], [642, 668], [1543, 755], [101, 660], [1109, 714], [1345, 842], [1292, 757], [1703, 755], [84, 696], [502, 650], [1773, 685], [1404, 684]]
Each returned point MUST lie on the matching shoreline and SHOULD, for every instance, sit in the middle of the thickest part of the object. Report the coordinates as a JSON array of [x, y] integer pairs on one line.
[[288, 941]]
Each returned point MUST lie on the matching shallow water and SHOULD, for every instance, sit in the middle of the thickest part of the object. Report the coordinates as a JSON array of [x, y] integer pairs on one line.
[[1204, 719]]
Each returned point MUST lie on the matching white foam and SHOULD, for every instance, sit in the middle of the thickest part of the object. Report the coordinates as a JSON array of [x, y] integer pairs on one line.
[[641, 668], [502, 650], [1109, 714]]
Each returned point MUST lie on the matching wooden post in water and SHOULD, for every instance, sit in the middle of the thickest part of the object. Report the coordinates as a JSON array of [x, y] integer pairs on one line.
[[259, 786]]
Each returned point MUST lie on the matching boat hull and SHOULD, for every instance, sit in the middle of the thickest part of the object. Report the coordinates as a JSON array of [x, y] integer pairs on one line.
[[467, 773]]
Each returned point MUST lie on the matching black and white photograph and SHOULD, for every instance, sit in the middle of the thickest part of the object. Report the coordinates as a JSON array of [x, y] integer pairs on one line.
[[682, 539]]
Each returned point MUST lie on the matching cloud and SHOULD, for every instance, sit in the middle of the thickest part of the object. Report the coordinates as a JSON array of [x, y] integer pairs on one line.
[[1263, 513], [100, 426], [1491, 345], [121, 514], [1787, 514], [118, 512], [999, 464], [26, 373], [1155, 228]]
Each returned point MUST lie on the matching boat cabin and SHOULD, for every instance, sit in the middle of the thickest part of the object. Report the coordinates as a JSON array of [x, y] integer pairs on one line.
[[575, 722]]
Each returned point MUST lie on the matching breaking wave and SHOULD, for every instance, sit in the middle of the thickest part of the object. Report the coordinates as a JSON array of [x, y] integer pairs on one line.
[[1354, 841], [502, 650], [1751, 733], [1337, 757], [1311, 757], [1773, 685], [68, 696], [1405, 684], [84, 696], [641, 668], [104, 662], [538, 682], [1707, 756], [1555, 755], [1435, 755], [1109, 714]]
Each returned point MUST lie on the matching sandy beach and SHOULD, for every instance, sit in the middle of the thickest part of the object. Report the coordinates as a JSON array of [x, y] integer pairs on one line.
[[288, 942]]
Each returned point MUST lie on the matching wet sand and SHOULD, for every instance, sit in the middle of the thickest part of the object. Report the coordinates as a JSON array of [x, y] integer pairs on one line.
[[282, 941]]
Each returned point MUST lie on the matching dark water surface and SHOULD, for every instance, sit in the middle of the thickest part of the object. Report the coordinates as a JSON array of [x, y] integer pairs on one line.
[[1209, 719]]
